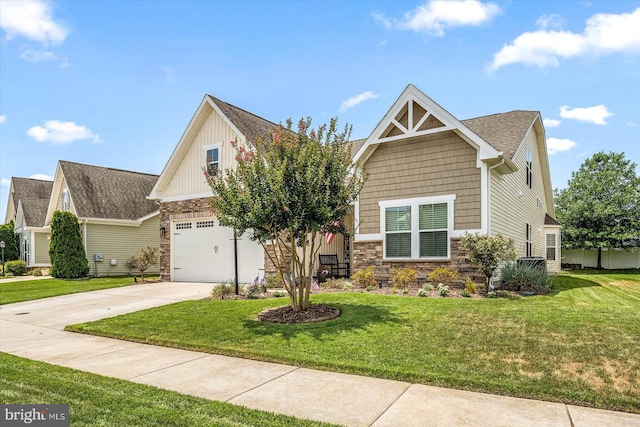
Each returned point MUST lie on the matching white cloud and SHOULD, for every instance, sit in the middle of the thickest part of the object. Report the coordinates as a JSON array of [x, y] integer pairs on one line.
[[352, 102], [552, 20], [557, 145], [435, 16], [41, 176], [30, 55], [3, 119], [32, 20], [551, 123], [62, 133], [5, 182], [597, 114], [604, 33]]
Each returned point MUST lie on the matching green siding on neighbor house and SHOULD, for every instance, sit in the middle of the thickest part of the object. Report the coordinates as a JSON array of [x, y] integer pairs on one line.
[[432, 165], [119, 242], [42, 248], [514, 204]]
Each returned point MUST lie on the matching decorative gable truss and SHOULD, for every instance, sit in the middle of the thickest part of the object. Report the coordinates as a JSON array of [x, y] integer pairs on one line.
[[413, 119]]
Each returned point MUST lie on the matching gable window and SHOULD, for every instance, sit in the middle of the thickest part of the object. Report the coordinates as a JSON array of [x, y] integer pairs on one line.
[[551, 247], [529, 168], [417, 228], [65, 200], [528, 242], [213, 160]]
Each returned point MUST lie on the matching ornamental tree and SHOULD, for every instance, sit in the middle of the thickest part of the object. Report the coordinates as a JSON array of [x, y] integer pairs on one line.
[[66, 251], [286, 192], [143, 260], [600, 208], [488, 252], [11, 242]]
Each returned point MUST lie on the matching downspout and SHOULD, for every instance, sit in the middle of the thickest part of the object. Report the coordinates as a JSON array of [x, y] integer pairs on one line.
[[489, 192]]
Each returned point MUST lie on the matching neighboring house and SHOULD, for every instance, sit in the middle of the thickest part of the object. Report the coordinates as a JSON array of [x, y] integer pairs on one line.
[[432, 178], [27, 208], [116, 218]]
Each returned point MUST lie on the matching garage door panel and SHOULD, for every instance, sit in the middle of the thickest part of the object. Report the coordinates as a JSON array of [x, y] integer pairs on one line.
[[203, 252]]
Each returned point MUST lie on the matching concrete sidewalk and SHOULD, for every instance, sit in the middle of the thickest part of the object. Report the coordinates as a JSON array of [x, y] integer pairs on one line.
[[34, 329]]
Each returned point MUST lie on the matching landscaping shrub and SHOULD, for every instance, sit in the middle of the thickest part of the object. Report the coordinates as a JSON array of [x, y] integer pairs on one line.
[[422, 293], [443, 290], [220, 291], [427, 287], [17, 267], [443, 275], [66, 251], [365, 277], [470, 285], [275, 282], [143, 260], [525, 278], [465, 294], [403, 278], [37, 272]]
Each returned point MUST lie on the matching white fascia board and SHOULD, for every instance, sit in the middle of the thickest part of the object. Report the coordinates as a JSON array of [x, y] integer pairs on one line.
[[55, 193], [373, 237], [186, 197], [146, 217]]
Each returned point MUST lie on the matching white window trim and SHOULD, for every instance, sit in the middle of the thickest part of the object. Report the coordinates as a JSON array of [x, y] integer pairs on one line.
[[206, 148], [547, 247], [415, 224]]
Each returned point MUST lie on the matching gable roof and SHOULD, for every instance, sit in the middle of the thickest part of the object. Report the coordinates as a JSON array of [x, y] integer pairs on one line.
[[34, 196], [504, 131], [246, 125], [415, 114], [102, 192]]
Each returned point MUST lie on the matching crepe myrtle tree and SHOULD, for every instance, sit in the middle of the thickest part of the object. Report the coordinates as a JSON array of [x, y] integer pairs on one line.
[[286, 191]]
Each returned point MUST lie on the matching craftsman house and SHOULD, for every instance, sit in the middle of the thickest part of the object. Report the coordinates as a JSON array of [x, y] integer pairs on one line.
[[116, 218], [432, 178], [27, 208]]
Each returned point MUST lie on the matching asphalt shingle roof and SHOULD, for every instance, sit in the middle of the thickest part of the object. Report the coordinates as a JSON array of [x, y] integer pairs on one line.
[[101, 192], [34, 194], [503, 131], [249, 124]]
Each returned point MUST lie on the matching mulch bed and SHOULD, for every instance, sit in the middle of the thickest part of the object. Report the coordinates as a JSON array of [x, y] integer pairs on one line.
[[315, 313]]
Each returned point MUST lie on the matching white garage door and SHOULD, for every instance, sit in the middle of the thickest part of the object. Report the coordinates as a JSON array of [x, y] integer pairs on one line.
[[202, 251]]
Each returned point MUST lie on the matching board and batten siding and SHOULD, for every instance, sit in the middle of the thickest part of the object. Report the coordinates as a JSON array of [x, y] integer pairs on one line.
[[432, 165], [41, 241], [120, 242], [188, 178], [514, 204], [72, 207]]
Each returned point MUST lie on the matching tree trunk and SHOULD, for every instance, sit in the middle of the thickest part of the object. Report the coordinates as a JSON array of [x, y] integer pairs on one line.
[[599, 266]]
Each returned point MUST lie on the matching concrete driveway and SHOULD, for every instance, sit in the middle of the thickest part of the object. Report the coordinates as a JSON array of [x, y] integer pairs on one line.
[[34, 329]]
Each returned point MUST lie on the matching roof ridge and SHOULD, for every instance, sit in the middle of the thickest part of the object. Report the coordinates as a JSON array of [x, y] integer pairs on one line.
[[32, 179], [243, 110], [110, 168], [504, 112]]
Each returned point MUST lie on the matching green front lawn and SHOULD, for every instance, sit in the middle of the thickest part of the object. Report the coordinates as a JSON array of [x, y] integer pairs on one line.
[[580, 344], [28, 290], [100, 401]]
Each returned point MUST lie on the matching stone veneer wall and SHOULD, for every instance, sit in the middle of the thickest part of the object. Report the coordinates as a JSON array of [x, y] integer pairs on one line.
[[186, 209], [370, 253]]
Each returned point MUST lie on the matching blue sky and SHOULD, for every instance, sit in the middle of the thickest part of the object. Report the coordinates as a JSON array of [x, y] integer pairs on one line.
[[115, 83]]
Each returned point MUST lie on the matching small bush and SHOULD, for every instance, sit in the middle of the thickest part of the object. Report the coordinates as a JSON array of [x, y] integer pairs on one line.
[[443, 290], [523, 278], [465, 294], [491, 295], [365, 277], [503, 294], [422, 293], [427, 287], [37, 272], [143, 260], [404, 278], [405, 291], [443, 275], [275, 282], [17, 267], [333, 283], [369, 288], [220, 291], [470, 285], [278, 294]]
